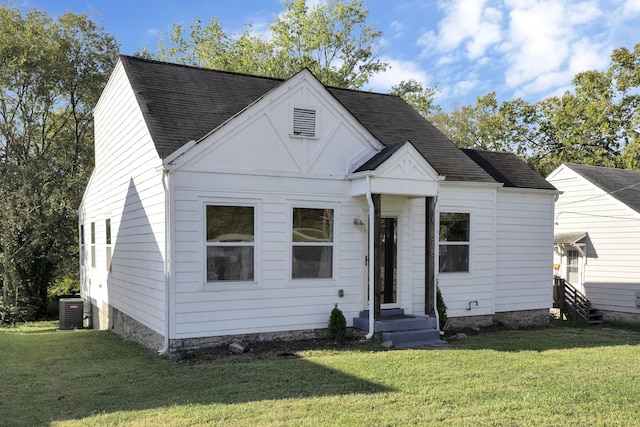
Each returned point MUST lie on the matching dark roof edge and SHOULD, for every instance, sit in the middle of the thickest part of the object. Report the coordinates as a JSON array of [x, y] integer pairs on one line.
[[197, 67]]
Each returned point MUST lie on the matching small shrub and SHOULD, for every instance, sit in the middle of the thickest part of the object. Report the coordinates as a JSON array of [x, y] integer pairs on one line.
[[8, 314], [442, 308], [337, 324], [22, 311]]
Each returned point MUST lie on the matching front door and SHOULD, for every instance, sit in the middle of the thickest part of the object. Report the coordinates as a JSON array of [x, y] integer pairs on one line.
[[574, 269], [389, 262]]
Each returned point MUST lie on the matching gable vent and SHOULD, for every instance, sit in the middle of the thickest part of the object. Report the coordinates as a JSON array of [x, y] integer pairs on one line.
[[304, 122]]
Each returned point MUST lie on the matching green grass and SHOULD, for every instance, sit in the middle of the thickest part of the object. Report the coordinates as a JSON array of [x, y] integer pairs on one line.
[[553, 377]]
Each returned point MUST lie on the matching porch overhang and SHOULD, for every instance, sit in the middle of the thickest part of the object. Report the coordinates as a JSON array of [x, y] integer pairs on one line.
[[569, 238], [403, 171], [392, 186], [574, 240]]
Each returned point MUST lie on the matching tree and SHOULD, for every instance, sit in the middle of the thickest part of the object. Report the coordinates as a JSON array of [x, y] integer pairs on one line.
[[419, 97], [330, 38], [52, 73], [596, 123], [488, 125]]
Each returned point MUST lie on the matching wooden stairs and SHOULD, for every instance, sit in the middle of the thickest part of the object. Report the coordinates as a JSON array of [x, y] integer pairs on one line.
[[402, 330], [573, 303]]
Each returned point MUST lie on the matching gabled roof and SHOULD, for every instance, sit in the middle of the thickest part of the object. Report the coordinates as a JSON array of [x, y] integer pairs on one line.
[[392, 121], [508, 169], [182, 103], [569, 238], [622, 184], [379, 158]]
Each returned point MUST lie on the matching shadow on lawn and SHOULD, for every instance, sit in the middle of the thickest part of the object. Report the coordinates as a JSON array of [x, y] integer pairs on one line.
[[556, 337], [111, 383]]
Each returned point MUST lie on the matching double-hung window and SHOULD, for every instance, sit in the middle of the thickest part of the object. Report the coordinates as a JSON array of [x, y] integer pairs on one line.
[[454, 242], [107, 225], [93, 244], [82, 248], [230, 243], [312, 243]]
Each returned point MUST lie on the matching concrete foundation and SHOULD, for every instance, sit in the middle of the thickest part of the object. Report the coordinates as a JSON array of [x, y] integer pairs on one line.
[[508, 319], [131, 330], [618, 316]]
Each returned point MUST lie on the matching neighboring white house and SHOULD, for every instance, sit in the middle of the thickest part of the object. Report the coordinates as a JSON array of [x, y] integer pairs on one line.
[[226, 206], [597, 241]]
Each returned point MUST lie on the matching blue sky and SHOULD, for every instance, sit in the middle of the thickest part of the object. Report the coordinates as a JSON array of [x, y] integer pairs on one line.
[[517, 48]]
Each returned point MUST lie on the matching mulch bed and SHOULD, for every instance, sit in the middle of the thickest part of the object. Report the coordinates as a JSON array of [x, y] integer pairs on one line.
[[282, 349]]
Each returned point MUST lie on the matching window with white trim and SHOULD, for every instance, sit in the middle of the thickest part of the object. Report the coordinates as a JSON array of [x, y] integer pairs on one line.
[[93, 244], [304, 122], [454, 242], [230, 243], [107, 224], [82, 248], [312, 243]]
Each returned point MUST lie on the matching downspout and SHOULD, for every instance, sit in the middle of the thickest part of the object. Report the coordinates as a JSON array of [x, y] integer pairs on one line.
[[372, 217], [167, 257], [436, 260]]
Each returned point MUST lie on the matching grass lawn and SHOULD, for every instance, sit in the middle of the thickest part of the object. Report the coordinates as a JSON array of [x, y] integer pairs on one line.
[[561, 376]]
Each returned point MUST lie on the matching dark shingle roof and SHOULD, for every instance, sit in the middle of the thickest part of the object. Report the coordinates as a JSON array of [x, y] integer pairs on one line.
[[393, 121], [379, 158], [508, 169], [622, 184], [182, 103]]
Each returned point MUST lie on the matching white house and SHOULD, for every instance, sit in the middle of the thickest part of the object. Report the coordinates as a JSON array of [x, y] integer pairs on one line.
[[226, 206], [597, 226]]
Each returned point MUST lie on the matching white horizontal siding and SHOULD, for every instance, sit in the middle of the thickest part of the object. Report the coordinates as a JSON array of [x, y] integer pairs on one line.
[[524, 250], [273, 302], [459, 289], [614, 296], [125, 188], [612, 267]]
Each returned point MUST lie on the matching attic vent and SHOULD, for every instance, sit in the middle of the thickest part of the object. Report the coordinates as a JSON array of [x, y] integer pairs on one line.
[[304, 122]]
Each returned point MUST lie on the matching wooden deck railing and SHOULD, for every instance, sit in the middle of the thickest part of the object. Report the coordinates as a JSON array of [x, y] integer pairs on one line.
[[571, 301]]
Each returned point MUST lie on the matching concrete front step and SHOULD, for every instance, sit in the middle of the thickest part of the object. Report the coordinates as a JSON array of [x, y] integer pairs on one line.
[[402, 330], [416, 338], [395, 320]]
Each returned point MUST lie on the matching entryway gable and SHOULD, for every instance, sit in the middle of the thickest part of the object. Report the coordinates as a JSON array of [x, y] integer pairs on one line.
[[401, 170], [407, 163], [296, 128]]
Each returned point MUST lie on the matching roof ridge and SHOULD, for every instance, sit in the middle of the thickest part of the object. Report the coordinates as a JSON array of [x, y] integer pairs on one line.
[[197, 67]]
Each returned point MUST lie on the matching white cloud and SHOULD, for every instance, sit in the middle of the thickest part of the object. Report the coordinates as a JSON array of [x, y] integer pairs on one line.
[[549, 42], [398, 71], [398, 28], [631, 7], [467, 23]]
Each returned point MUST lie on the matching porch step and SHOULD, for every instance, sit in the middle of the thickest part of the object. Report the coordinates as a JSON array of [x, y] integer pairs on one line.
[[403, 330], [595, 316], [415, 338]]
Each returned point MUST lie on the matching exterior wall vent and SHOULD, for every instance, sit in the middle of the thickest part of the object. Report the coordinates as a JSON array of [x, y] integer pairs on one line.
[[71, 311], [304, 122]]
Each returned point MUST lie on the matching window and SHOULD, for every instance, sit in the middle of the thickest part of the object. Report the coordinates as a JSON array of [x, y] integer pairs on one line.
[[304, 122], [93, 244], [230, 243], [573, 267], [312, 243], [454, 242], [108, 242], [82, 257]]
